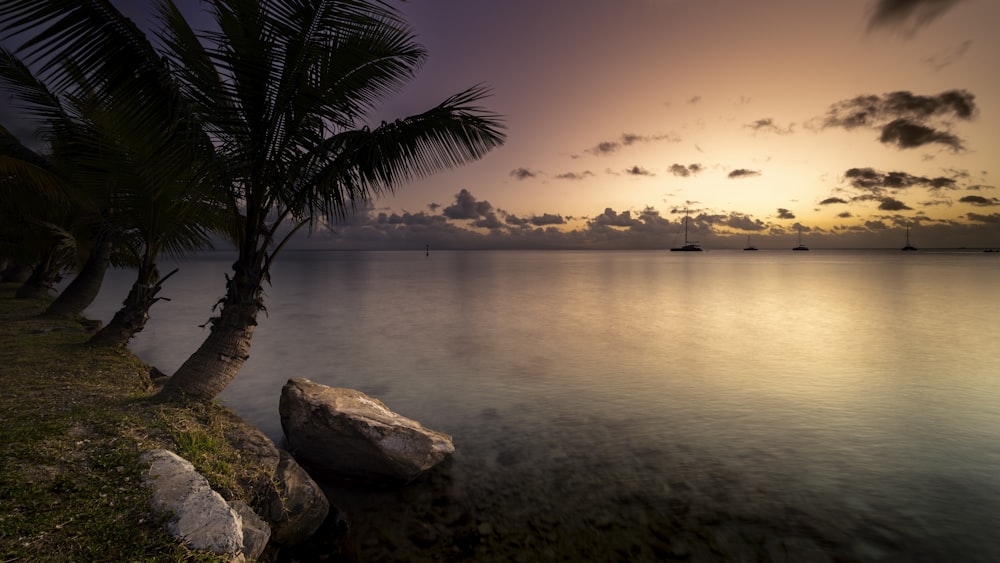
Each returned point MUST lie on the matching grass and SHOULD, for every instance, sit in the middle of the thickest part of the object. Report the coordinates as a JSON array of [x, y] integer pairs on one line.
[[73, 421]]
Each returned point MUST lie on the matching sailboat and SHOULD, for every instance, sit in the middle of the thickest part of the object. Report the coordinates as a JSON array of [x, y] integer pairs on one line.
[[800, 246], [689, 246], [749, 246], [908, 245]]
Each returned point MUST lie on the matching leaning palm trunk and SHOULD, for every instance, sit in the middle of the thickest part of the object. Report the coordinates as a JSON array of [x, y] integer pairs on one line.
[[44, 276], [219, 358], [82, 291], [132, 317]]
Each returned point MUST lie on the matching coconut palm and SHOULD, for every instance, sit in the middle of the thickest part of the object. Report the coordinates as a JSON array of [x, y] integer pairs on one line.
[[131, 146], [285, 87]]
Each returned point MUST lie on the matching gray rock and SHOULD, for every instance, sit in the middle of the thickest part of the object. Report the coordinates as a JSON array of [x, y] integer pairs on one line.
[[298, 507], [350, 433], [201, 518], [256, 532]]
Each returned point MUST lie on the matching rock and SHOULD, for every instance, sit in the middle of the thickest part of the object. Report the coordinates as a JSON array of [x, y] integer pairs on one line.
[[201, 518], [256, 532], [298, 507], [350, 433], [290, 501]]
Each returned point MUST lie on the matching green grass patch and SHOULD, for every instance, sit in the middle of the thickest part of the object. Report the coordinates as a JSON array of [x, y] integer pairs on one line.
[[73, 422]]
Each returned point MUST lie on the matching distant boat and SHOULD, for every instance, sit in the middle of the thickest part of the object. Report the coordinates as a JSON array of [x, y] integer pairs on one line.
[[908, 245], [801, 246], [689, 246], [749, 246]]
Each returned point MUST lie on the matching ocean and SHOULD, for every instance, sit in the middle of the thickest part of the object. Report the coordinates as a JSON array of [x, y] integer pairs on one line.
[[640, 406]]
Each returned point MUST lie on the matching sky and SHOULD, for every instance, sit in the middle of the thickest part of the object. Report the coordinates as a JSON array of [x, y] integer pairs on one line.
[[846, 119]]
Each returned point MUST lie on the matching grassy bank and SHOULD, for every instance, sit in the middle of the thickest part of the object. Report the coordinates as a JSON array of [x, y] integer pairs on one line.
[[73, 421]]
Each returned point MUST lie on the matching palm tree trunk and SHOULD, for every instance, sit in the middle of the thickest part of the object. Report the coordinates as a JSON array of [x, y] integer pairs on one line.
[[82, 291], [132, 317], [43, 277], [219, 358]]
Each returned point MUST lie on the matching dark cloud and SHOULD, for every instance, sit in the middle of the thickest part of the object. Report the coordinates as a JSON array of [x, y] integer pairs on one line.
[[466, 207], [547, 219], [768, 125], [605, 147], [844, 215], [685, 171], [638, 171], [904, 119], [574, 175], [743, 173], [741, 222], [611, 219], [628, 139], [993, 219], [908, 14], [491, 221], [694, 99], [890, 204], [785, 214], [523, 173], [980, 200], [908, 135], [832, 200], [875, 181]]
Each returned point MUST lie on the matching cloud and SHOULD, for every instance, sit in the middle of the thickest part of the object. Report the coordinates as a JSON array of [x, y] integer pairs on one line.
[[685, 171], [574, 175], [742, 222], [638, 171], [611, 219], [993, 219], [523, 173], [948, 58], [904, 119], [890, 204], [785, 214], [466, 207], [875, 182], [768, 125], [911, 14], [743, 173], [694, 99], [980, 200], [628, 139], [832, 200], [908, 135]]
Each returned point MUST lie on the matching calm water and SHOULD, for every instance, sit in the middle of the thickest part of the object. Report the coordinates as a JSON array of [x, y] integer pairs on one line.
[[643, 405]]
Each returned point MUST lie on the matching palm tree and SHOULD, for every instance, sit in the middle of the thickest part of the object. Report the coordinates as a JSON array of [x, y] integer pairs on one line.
[[131, 146], [285, 87]]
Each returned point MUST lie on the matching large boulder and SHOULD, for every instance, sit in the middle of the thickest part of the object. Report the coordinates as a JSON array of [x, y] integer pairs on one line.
[[200, 517], [349, 433]]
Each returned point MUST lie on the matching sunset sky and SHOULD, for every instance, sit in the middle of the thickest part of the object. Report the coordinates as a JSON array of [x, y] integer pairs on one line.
[[849, 118]]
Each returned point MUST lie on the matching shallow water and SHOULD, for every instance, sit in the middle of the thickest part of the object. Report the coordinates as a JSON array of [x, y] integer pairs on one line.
[[642, 405]]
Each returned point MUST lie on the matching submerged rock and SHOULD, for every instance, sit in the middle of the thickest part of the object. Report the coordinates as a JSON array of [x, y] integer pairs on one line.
[[349, 433]]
